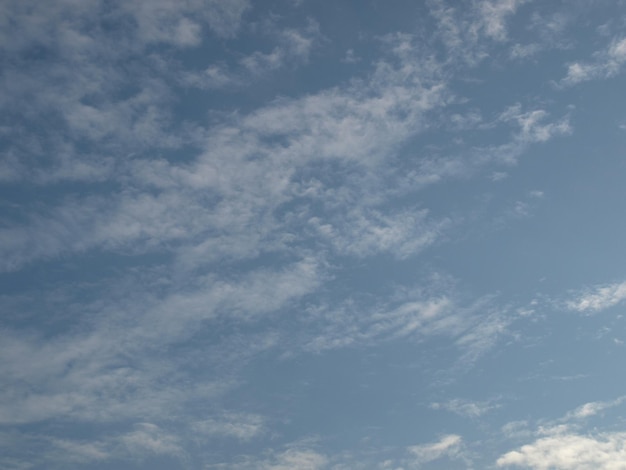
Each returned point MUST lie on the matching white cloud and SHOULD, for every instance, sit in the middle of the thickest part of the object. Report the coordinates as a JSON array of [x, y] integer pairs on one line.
[[170, 21], [79, 89], [516, 429], [417, 315], [366, 232], [86, 374], [351, 57], [482, 335], [359, 125], [464, 31], [80, 452], [293, 48], [297, 455], [144, 440], [448, 446], [558, 446], [592, 408], [598, 298], [533, 129], [355, 323], [607, 64], [494, 14], [465, 408], [238, 425], [149, 438], [564, 451], [524, 51], [297, 458]]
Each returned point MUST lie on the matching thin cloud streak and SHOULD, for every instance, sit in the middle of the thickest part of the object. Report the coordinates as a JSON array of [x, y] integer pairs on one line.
[[598, 298]]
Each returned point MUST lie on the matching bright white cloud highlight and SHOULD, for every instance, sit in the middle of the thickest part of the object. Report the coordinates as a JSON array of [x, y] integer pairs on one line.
[[599, 298], [570, 452]]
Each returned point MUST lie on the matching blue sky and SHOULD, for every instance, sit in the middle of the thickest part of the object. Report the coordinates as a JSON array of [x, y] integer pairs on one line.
[[310, 235]]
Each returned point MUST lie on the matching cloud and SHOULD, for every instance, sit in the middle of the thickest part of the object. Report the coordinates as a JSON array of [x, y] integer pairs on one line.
[[87, 374], [296, 455], [82, 86], [465, 408], [79, 452], [559, 446], [565, 451], [144, 440], [198, 235], [363, 233], [532, 129], [77, 89], [448, 446], [607, 64], [466, 32], [355, 323], [170, 21], [592, 408], [149, 438], [293, 48], [236, 425], [524, 51], [228, 195], [494, 14], [296, 458], [516, 429], [416, 315], [254, 164], [482, 335], [598, 298]]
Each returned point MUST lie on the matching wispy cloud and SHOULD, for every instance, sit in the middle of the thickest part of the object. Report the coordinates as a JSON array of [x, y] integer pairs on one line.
[[474, 329], [598, 298], [144, 440], [366, 232], [448, 446], [168, 21], [607, 63], [293, 48], [300, 455], [149, 438], [236, 425], [355, 323], [532, 125], [524, 51], [469, 409], [494, 15], [464, 31], [592, 408], [88, 374]]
